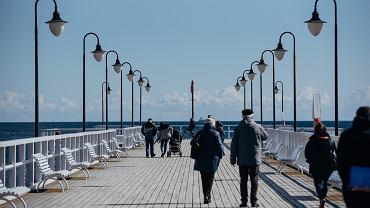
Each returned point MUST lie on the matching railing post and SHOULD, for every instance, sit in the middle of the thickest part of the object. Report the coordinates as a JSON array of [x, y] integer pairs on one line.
[[20, 180], [30, 176], [12, 174], [228, 132]]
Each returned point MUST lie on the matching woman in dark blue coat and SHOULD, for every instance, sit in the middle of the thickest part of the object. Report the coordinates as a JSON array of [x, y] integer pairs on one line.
[[318, 152], [210, 154]]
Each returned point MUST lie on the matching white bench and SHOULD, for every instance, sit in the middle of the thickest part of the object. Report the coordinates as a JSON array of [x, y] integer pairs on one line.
[[290, 160], [47, 173], [139, 140], [123, 148], [8, 194], [83, 166], [273, 150], [101, 158], [113, 153]]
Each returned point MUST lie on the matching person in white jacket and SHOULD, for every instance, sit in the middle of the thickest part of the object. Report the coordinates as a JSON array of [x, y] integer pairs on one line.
[[164, 134]]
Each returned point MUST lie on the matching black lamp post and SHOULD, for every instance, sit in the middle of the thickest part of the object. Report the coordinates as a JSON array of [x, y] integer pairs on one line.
[[147, 88], [279, 54], [141, 84], [314, 25], [192, 91], [102, 99], [276, 91], [237, 88], [117, 68], [98, 55], [56, 25], [130, 77], [121, 92], [243, 81], [261, 67]]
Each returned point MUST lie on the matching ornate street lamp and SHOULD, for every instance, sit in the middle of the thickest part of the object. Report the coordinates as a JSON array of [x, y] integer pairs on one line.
[[121, 91], [56, 26], [117, 68], [108, 91], [261, 67], [243, 81], [130, 77], [98, 55], [141, 83], [279, 54], [276, 91], [314, 26], [237, 85]]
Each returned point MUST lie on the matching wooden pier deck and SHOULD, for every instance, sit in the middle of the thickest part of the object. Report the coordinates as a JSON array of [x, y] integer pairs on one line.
[[137, 181]]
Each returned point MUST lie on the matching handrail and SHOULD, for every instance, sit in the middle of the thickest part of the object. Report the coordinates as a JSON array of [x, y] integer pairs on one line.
[[17, 167]]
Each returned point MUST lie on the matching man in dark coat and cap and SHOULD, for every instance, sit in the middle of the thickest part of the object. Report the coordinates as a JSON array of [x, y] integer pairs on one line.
[[353, 160], [246, 151]]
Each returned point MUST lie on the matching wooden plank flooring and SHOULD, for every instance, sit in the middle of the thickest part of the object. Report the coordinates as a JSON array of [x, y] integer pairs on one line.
[[137, 181]]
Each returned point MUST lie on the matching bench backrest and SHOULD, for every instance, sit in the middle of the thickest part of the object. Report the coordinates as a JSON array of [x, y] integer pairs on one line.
[[105, 143], [295, 154], [115, 142], [277, 148], [68, 153], [42, 163], [91, 150]]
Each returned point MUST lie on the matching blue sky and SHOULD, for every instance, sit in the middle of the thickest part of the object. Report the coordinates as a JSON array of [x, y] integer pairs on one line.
[[173, 42]]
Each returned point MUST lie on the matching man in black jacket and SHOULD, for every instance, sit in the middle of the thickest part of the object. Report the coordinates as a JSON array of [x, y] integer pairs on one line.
[[354, 160], [149, 131]]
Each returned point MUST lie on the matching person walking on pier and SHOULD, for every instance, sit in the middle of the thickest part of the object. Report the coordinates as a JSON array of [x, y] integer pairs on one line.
[[319, 151], [210, 154], [191, 126], [246, 151], [149, 131], [354, 160], [164, 134]]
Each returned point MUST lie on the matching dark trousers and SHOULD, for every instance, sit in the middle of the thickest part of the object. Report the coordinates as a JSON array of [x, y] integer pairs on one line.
[[252, 171], [321, 185], [164, 143], [207, 181], [149, 146]]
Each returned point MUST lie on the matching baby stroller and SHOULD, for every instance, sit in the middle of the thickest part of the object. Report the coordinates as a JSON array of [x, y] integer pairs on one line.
[[175, 144]]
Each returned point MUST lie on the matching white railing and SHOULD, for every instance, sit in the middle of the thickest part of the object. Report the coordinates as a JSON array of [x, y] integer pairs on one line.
[[292, 139], [17, 167]]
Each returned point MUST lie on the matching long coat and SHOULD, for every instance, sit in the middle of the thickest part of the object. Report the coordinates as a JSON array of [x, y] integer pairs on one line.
[[211, 149], [246, 143], [317, 152]]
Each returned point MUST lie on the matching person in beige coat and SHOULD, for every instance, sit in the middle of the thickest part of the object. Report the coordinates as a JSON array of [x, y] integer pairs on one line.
[[164, 134]]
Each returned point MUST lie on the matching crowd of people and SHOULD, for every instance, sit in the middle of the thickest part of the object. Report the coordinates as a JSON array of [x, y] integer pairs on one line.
[[351, 157]]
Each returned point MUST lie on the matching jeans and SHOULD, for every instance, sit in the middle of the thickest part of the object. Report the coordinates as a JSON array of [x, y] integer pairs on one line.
[[164, 143], [207, 181], [149, 146], [252, 171], [321, 185]]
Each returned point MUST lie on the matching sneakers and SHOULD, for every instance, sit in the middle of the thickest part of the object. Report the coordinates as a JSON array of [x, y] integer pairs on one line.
[[243, 205], [153, 155]]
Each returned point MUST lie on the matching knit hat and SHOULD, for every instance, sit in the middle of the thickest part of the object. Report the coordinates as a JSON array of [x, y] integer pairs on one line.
[[210, 121], [247, 112]]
